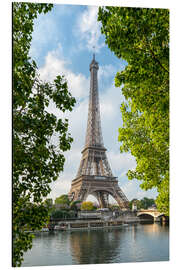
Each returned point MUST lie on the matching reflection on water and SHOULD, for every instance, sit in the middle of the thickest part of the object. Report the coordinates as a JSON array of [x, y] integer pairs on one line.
[[134, 243], [95, 246]]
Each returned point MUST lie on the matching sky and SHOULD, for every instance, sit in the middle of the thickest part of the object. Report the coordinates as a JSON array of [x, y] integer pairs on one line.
[[63, 43]]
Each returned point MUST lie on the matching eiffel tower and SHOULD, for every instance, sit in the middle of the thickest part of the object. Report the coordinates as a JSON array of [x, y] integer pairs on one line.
[[94, 175]]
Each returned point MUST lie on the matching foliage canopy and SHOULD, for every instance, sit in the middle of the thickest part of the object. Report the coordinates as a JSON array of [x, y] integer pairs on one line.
[[37, 158], [62, 214], [63, 199], [87, 206], [141, 37], [143, 203]]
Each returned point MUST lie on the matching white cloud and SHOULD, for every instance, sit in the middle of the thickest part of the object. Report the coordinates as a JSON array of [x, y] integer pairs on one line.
[[107, 71], [110, 101], [55, 65], [88, 29], [132, 190], [121, 162], [61, 186]]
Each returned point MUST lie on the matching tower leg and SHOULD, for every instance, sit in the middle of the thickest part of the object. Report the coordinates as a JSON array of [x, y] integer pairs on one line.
[[102, 198], [122, 202]]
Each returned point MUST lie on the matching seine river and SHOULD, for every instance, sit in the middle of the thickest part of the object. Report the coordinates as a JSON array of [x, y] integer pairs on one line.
[[132, 243]]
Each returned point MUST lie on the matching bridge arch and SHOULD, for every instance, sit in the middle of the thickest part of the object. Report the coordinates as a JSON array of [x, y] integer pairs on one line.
[[145, 213], [151, 213], [146, 217]]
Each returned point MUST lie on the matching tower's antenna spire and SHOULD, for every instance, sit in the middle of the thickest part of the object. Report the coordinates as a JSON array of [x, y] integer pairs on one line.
[[94, 53]]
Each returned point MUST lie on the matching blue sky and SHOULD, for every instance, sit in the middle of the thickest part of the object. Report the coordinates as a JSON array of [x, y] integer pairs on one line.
[[62, 43]]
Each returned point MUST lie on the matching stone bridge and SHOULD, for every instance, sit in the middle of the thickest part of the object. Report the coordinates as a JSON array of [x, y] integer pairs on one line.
[[154, 213]]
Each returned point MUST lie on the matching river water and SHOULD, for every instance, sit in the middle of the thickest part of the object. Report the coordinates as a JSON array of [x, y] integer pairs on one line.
[[132, 243]]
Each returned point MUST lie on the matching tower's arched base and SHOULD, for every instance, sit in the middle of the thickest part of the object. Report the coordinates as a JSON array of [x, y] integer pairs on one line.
[[100, 187]]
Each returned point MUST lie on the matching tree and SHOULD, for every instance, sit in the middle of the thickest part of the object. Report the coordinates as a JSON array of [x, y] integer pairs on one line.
[[60, 214], [137, 203], [48, 202], [141, 37], [87, 206], [143, 203], [146, 203], [37, 157], [75, 205], [63, 199]]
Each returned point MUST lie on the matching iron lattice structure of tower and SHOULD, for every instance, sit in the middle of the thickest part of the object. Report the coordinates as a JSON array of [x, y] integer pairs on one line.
[[94, 175]]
